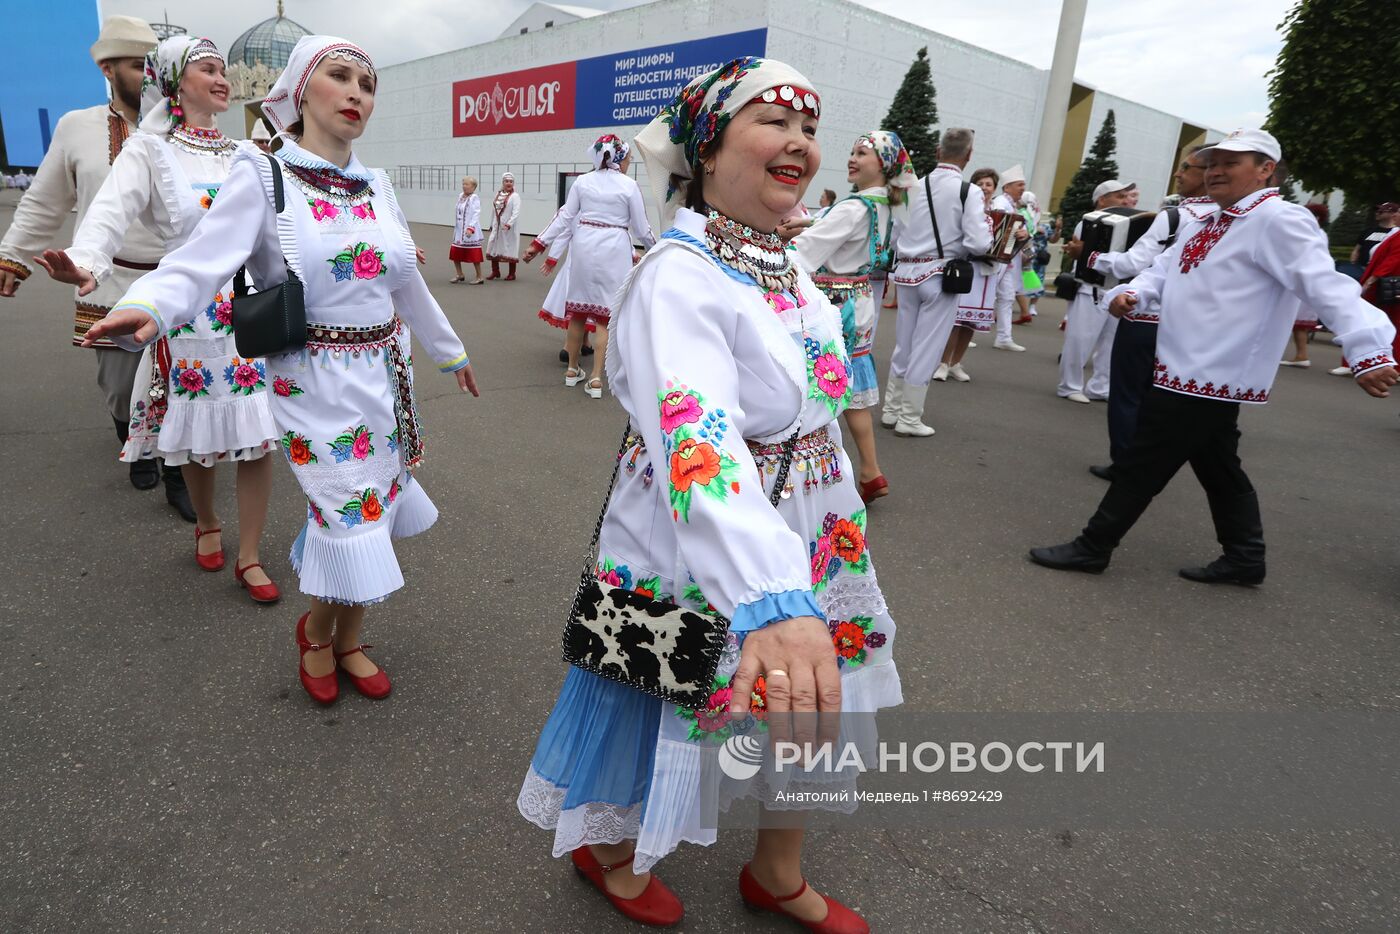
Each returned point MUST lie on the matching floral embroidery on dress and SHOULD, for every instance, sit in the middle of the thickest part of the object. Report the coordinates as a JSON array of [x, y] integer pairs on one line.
[[852, 638], [714, 724], [362, 507], [696, 598], [245, 376], [220, 314], [827, 377], [206, 200], [778, 301], [313, 513], [181, 331], [190, 378], [842, 544], [394, 491], [352, 442], [695, 458], [364, 212], [323, 210], [360, 261], [620, 575], [393, 441], [298, 449], [286, 388]]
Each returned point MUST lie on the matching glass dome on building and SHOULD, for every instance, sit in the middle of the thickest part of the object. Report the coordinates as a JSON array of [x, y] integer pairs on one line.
[[269, 42]]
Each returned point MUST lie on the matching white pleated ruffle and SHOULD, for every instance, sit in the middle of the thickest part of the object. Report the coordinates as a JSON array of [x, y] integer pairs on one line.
[[209, 432]]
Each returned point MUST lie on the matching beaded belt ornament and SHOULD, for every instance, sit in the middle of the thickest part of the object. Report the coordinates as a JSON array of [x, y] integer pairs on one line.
[[816, 458], [845, 285], [355, 341], [588, 223]]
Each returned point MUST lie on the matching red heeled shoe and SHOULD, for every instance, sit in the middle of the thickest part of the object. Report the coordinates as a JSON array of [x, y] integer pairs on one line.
[[874, 489], [376, 686], [324, 689], [839, 919], [261, 593], [214, 562], [657, 905]]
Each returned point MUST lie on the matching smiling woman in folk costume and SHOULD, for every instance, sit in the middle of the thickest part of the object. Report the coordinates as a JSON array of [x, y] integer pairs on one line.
[[466, 232], [724, 354], [503, 246], [602, 214], [344, 404], [848, 252], [196, 403]]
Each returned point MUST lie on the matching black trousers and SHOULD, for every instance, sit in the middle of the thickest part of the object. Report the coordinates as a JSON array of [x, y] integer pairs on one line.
[[1172, 430], [1130, 377]]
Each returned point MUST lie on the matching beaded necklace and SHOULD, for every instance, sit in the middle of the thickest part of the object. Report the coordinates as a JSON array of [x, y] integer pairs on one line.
[[761, 256], [200, 140], [330, 185]]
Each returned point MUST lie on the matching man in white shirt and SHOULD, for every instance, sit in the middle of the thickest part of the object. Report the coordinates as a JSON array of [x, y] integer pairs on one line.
[[1228, 291], [79, 158], [1135, 337], [926, 312], [1013, 185], [1089, 328]]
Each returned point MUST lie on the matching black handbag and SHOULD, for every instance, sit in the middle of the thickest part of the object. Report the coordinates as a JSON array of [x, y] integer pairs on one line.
[[1388, 290], [657, 647], [272, 321], [957, 273]]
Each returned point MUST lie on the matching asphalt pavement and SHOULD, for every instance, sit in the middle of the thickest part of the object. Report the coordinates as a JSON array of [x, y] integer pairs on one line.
[[163, 770]]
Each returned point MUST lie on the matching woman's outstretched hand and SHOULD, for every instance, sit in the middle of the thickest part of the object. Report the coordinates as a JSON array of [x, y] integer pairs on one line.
[[466, 380], [63, 269], [120, 322], [797, 662]]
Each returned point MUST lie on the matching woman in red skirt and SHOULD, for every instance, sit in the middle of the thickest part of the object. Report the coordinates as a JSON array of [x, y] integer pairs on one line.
[[466, 232]]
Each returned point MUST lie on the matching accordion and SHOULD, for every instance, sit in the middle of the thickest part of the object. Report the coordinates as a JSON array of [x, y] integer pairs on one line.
[[1005, 246], [1111, 230]]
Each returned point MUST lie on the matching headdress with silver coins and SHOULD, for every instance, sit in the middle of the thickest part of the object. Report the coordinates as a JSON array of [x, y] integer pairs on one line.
[[611, 146], [165, 66], [674, 144], [282, 106]]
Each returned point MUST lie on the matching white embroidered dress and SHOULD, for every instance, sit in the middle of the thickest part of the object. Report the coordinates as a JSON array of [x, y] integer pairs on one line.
[[468, 218], [215, 402], [504, 244], [601, 216], [704, 363], [343, 405]]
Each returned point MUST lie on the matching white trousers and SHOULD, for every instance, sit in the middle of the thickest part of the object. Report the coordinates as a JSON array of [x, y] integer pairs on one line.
[[1008, 286], [926, 317], [1088, 340]]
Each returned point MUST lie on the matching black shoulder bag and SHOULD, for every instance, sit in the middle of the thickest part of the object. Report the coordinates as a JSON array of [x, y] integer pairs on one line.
[[656, 647], [272, 321], [1173, 222], [957, 273]]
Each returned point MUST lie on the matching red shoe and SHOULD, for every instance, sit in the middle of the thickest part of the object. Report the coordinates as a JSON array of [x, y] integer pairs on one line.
[[376, 686], [214, 562], [839, 919], [874, 489], [261, 593], [1026, 320], [657, 905], [325, 689]]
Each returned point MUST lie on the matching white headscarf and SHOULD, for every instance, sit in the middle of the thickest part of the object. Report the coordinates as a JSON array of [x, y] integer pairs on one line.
[[611, 146], [282, 106], [165, 66], [674, 143]]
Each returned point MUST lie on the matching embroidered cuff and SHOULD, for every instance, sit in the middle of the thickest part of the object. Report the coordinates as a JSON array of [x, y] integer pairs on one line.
[[1093, 260], [774, 608], [21, 271], [452, 366], [550, 263], [148, 309], [1371, 362], [538, 244]]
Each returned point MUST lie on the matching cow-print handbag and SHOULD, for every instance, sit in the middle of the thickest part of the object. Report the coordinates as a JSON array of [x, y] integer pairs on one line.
[[659, 648]]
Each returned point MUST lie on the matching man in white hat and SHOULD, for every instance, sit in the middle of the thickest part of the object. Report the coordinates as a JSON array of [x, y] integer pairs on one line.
[[260, 136], [1089, 328], [1013, 185], [1228, 290], [80, 155], [1134, 346]]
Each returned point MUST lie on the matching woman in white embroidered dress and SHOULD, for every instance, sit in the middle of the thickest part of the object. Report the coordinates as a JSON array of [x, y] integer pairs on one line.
[[602, 214], [344, 404], [722, 349], [977, 308], [196, 403], [466, 232], [503, 246], [847, 251]]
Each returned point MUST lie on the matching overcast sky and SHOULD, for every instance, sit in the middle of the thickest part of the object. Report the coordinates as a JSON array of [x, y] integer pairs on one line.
[[1201, 60]]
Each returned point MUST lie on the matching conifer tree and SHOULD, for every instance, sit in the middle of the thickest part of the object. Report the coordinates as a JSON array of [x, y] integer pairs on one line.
[[1097, 167], [914, 113]]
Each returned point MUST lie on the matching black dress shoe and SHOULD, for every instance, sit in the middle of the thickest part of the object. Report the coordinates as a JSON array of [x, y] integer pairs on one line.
[[145, 475], [1223, 571], [177, 494], [1071, 556], [1103, 472], [563, 356], [586, 351]]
